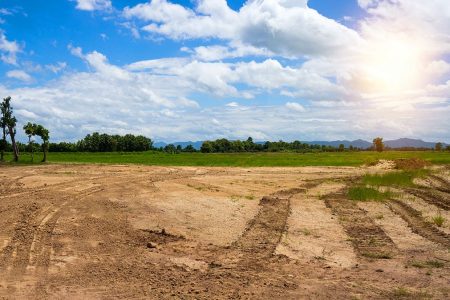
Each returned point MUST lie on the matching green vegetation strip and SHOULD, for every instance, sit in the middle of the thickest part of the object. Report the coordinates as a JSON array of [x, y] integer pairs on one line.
[[361, 193], [403, 178], [278, 159]]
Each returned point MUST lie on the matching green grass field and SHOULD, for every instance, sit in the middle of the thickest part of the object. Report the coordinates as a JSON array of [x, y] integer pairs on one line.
[[237, 159]]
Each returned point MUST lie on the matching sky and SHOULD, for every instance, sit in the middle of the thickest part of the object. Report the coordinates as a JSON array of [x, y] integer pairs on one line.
[[186, 70]]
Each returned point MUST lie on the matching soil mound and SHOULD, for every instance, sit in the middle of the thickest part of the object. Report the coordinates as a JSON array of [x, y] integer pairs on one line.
[[410, 163]]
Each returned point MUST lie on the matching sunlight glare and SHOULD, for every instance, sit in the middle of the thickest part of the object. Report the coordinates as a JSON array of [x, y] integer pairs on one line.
[[393, 65]]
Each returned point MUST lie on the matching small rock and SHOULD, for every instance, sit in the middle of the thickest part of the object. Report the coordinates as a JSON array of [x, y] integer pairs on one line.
[[379, 270], [151, 245]]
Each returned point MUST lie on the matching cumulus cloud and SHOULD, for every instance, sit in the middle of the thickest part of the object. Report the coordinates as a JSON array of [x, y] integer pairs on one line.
[[266, 24], [91, 5], [19, 75]]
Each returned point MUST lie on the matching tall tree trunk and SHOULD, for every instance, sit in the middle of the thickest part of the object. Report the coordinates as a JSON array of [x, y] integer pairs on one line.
[[45, 148], [30, 145], [3, 145], [14, 145]]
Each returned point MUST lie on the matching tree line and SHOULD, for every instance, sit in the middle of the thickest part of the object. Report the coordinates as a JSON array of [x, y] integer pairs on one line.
[[102, 142], [227, 146]]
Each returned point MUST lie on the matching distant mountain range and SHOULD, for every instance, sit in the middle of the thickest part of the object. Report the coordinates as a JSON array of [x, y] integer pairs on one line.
[[398, 143]]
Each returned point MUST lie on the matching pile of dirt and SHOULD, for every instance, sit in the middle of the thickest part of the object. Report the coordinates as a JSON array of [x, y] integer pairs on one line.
[[410, 163], [382, 164]]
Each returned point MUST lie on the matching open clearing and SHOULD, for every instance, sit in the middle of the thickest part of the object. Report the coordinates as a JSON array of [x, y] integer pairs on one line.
[[128, 231]]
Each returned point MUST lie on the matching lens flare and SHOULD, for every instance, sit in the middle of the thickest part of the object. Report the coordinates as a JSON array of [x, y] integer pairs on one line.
[[392, 65]]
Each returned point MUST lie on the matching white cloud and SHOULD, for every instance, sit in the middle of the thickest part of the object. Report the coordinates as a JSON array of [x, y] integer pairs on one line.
[[233, 104], [19, 75], [438, 68], [266, 24], [8, 49], [295, 106], [56, 68], [219, 52], [91, 5]]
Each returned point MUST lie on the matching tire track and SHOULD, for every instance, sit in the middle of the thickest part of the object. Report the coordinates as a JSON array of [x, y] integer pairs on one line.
[[264, 231], [368, 239], [14, 256], [430, 198], [418, 224], [445, 185], [31, 243]]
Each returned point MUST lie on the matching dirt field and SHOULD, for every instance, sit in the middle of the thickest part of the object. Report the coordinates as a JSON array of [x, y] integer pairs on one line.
[[91, 231]]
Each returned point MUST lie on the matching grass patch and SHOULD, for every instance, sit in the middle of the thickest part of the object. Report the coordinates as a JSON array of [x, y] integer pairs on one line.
[[362, 193], [265, 159], [427, 264], [438, 220], [306, 232], [403, 293], [379, 217], [403, 179], [380, 255]]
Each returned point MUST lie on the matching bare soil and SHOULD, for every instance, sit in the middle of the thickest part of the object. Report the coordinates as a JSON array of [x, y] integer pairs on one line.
[[139, 232]]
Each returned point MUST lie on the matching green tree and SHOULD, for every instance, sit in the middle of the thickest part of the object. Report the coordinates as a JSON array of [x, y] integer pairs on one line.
[[378, 144], [438, 147], [9, 125], [207, 147], [43, 133], [189, 148], [30, 131], [341, 147], [170, 149]]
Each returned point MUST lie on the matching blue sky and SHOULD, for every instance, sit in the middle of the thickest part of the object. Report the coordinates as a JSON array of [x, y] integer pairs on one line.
[[205, 69]]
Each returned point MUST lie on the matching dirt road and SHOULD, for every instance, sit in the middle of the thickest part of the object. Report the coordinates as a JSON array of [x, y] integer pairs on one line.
[[102, 232]]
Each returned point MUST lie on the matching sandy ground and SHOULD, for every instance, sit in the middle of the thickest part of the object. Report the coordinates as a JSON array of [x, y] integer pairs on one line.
[[102, 232]]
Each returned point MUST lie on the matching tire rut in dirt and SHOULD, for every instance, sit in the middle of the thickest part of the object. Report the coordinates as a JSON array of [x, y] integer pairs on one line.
[[430, 197], [445, 185], [264, 231], [418, 224], [368, 239], [31, 242], [14, 257]]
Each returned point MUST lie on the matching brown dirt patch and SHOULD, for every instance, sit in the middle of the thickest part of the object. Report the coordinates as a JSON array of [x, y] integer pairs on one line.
[[202, 233], [410, 164]]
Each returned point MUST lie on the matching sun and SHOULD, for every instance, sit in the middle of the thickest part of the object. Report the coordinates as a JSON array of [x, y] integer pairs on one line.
[[392, 65]]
